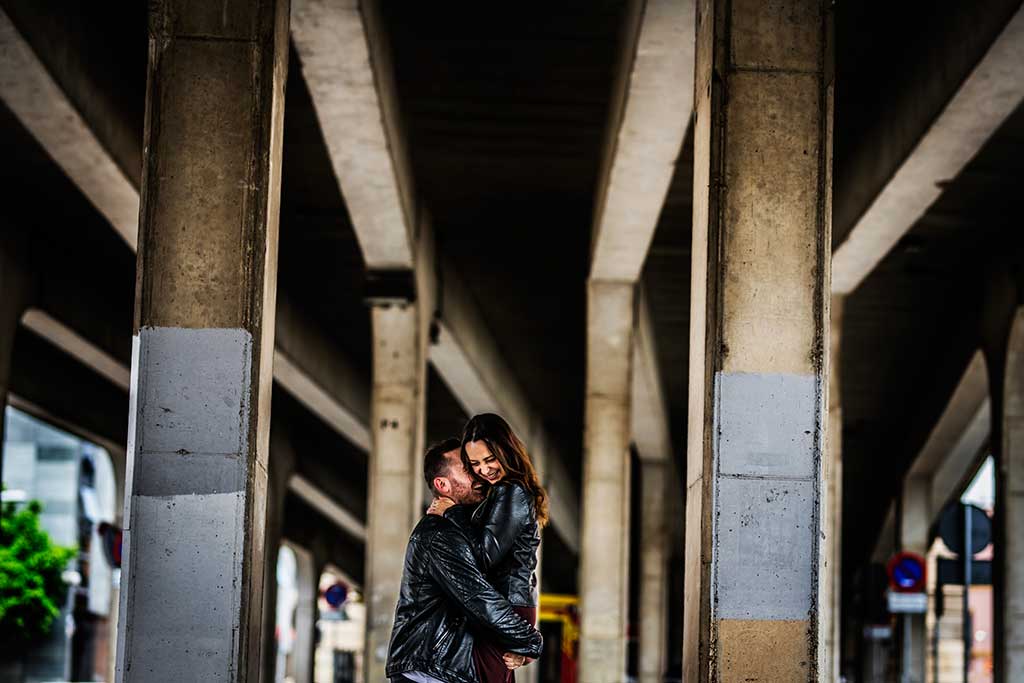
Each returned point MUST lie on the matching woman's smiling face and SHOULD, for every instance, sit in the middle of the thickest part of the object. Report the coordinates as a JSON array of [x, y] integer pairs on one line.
[[484, 463]]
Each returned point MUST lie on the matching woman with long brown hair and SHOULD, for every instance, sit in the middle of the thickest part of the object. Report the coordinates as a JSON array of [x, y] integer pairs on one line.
[[504, 529]]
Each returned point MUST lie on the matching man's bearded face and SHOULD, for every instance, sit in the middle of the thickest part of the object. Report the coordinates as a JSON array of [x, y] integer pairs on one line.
[[465, 488]]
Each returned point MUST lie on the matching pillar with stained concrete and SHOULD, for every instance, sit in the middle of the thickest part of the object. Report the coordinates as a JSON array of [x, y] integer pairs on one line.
[[15, 297], [1011, 488], [201, 368], [654, 554], [759, 341], [396, 464], [914, 523], [832, 506], [604, 530]]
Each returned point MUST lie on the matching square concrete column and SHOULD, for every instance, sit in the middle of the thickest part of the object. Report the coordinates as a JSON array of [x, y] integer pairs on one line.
[[604, 531], [832, 507], [1011, 488], [199, 416], [654, 553], [759, 341], [396, 466]]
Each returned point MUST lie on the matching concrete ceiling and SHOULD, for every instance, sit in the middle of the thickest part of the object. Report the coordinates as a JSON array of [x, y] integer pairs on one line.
[[505, 116]]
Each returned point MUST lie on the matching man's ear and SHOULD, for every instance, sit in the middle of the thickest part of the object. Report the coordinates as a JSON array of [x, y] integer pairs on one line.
[[442, 485]]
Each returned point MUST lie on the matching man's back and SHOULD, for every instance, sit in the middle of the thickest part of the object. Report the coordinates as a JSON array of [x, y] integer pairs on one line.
[[444, 596]]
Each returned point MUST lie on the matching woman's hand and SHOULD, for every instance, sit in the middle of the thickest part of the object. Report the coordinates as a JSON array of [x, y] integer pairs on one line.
[[439, 505], [513, 661]]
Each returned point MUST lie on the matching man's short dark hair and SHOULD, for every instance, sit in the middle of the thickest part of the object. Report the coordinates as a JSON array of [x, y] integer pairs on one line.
[[434, 462]]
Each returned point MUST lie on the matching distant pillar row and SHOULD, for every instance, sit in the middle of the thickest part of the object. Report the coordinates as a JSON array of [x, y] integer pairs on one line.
[[654, 553], [759, 339], [396, 484], [191, 603], [604, 531], [1012, 490]]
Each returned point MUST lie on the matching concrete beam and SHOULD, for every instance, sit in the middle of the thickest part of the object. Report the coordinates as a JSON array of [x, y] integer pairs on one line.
[[305, 363], [41, 106], [77, 346], [649, 417], [346, 65], [310, 368], [651, 109], [468, 359], [993, 90], [952, 449], [325, 505]]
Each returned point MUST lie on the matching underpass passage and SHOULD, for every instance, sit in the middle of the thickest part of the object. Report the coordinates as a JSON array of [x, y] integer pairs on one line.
[[745, 277]]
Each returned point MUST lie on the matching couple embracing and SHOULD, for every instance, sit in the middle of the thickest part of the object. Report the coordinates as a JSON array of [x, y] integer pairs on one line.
[[468, 603]]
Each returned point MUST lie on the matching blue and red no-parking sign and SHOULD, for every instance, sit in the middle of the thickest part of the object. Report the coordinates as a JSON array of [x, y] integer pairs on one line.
[[906, 572]]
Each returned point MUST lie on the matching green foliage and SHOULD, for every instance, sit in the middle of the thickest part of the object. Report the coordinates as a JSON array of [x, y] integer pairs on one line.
[[31, 588]]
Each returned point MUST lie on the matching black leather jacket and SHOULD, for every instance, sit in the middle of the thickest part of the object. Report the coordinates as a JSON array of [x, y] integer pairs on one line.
[[443, 597], [505, 537]]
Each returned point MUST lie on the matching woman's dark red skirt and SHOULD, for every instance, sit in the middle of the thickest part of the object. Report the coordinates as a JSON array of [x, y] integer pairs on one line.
[[490, 666]]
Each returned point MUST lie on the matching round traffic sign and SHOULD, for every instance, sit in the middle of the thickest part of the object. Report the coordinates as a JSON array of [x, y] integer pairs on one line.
[[951, 527], [336, 594], [906, 572]]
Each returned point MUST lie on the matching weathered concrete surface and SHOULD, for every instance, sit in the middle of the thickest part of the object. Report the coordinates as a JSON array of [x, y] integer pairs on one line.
[[759, 326], [604, 548], [650, 112], [199, 416], [396, 483], [829, 594], [346, 63], [1012, 489]]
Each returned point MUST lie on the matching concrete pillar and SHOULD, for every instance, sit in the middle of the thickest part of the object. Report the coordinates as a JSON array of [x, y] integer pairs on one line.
[[281, 465], [1012, 490], [199, 419], [308, 585], [654, 553], [832, 508], [604, 530], [396, 465], [915, 521], [759, 340], [15, 297]]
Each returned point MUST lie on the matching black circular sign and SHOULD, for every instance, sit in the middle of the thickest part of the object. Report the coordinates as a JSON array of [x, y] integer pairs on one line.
[[951, 527]]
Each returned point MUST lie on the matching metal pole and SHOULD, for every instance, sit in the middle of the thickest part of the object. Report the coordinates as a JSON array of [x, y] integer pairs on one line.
[[968, 557]]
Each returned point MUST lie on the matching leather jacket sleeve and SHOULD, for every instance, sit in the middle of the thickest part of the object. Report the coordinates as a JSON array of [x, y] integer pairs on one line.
[[455, 569], [497, 522]]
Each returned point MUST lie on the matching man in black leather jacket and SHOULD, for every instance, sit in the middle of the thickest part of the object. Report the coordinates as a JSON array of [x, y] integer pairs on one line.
[[444, 596]]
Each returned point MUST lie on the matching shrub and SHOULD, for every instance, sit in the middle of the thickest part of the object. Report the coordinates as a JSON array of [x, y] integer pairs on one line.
[[31, 587]]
